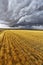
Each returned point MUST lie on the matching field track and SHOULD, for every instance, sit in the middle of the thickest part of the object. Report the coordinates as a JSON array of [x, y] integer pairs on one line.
[[18, 47]]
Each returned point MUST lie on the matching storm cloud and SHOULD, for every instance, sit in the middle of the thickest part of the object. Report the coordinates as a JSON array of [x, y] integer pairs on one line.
[[21, 14]]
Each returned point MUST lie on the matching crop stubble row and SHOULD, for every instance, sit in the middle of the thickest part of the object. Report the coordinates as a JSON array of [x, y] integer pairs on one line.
[[15, 50]]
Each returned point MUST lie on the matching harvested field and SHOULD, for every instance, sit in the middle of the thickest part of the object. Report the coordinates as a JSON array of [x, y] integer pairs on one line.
[[21, 47]]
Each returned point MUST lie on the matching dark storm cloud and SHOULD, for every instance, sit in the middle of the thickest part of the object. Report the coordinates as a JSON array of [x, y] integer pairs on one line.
[[25, 14]]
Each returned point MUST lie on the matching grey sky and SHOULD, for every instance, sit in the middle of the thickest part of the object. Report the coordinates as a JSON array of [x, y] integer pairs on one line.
[[26, 14]]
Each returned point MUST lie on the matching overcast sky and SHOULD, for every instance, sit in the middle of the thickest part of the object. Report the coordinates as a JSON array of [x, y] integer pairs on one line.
[[24, 14]]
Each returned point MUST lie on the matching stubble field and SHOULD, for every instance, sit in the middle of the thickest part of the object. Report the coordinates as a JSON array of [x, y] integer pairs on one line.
[[21, 47]]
